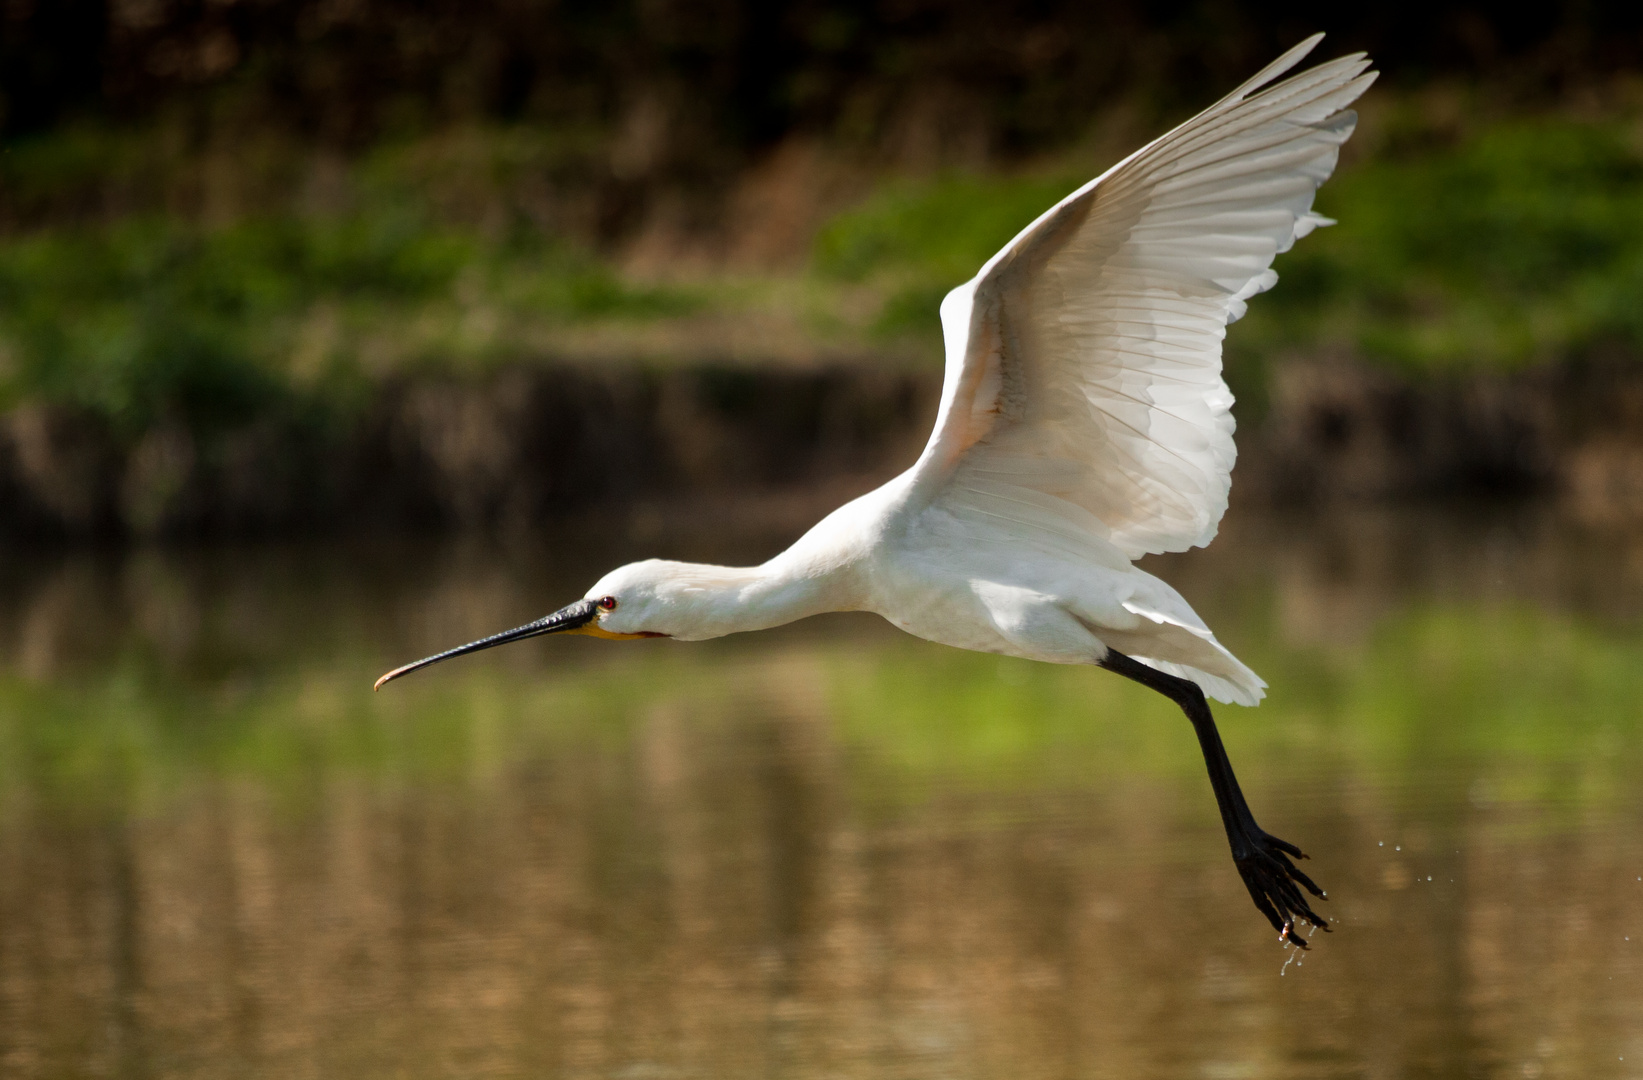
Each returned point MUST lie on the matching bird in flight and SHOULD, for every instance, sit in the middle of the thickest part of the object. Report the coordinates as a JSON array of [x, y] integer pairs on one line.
[[1084, 422]]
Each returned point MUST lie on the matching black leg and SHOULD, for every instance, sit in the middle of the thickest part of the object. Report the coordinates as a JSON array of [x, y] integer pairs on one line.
[[1263, 860]]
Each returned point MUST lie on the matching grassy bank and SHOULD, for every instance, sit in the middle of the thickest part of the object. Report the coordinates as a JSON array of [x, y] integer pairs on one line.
[[1506, 244], [149, 318], [1502, 245]]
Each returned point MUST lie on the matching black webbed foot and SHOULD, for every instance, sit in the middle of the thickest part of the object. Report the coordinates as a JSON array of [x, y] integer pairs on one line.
[[1263, 862]]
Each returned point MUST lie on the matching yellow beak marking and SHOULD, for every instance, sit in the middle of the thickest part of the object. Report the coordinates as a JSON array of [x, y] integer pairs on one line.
[[595, 630]]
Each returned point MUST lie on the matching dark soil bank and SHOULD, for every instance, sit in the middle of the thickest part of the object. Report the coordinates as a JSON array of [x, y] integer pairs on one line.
[[522, 445], [529, 443]]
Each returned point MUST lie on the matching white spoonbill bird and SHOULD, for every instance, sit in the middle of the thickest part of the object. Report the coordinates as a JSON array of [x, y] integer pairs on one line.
[[1083, 423]]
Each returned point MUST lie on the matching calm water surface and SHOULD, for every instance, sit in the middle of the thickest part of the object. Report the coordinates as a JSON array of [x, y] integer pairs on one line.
[[825, 851]]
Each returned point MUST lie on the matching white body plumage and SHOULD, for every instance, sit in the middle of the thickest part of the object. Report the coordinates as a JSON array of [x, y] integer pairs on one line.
[[1084, 421]]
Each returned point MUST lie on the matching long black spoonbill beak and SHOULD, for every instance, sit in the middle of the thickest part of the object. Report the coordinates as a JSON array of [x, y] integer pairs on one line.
[[568, 619]]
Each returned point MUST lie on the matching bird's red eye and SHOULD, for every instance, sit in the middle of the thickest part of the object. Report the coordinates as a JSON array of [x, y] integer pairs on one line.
[[607, 603]]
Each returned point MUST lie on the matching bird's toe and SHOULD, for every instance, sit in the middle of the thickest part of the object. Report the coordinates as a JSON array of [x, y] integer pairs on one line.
[[1275, 885]]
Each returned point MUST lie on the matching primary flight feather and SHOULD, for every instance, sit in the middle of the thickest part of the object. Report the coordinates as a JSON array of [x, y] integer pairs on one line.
[[1083, 423]]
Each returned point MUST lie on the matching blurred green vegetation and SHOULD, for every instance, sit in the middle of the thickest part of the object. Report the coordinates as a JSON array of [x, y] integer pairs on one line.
[[1517, 242], [915, 240], [1521, 242], [160, 316], [151, 316], [1512, 242]]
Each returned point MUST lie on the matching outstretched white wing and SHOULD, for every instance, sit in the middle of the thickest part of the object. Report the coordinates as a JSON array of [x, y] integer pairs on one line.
[[1084, 360]]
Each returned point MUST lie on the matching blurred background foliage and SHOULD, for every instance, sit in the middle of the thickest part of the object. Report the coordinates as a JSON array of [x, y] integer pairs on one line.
[[149, 317], [1516, 242], [212, 210]]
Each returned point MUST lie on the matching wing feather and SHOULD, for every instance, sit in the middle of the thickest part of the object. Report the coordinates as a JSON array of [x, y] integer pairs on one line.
[[1084, 360]]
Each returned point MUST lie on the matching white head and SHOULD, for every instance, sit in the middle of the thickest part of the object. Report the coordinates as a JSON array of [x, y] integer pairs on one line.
[[659, 598]]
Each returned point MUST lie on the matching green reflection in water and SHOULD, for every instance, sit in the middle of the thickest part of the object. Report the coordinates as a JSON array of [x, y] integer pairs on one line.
[[829, 850], [1540, 704]]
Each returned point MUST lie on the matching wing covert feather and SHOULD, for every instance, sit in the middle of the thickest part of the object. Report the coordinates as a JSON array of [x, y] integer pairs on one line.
[[1084, 360]]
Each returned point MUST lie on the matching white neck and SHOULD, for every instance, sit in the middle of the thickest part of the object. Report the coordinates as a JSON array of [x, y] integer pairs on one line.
[[828, 569], [734, 599]]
